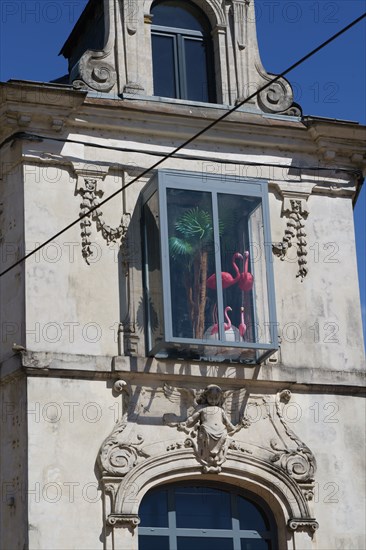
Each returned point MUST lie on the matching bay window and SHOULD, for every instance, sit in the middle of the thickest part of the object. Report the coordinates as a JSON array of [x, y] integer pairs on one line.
[[208, 272]]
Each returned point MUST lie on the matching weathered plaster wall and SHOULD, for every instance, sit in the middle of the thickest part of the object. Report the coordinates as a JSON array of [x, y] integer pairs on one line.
[[11, 249], [72, 418], [13, 464], [319, 317], [85, 299]]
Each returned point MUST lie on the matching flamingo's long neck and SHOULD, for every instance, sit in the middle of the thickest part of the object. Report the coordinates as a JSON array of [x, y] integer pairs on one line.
[[228, 324], [236, 268], [246, 262]]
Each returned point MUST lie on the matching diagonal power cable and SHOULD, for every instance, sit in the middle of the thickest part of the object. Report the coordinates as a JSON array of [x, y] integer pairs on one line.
[[190, 140]]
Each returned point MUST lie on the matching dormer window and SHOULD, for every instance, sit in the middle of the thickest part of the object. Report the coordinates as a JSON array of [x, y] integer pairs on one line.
[[182, 52]]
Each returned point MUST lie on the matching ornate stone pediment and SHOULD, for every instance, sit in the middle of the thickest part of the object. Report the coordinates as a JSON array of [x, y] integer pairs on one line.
[[218, 433]]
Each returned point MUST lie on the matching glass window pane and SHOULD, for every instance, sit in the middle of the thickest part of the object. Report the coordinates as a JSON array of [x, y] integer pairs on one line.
[[203, 543], [164, 65], [153, 511], [243, 269], [192, 262], [153, 543], [154, 283], [250, 517], [260, 290], [202, 507], [196, 69], [176, 14], [255, 544]]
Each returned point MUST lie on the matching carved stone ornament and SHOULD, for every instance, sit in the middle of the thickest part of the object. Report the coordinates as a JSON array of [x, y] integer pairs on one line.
[[208, 426], [119, 520], [90, 199], [96, 72], [96, 68], [118, 454], [278, 97], [299, 462], [297, 212], [298, 524], [266, 455]]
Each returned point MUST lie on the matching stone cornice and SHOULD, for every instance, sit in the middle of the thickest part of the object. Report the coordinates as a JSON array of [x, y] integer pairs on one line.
[[326, 142], [38, 363]]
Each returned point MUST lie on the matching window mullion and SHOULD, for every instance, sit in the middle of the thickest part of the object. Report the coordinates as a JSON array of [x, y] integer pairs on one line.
[[172, 520], [217, 252], [182, 68], [235, 522]]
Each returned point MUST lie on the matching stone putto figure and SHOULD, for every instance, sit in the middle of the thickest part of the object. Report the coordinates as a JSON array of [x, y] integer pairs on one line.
[[209, 428]]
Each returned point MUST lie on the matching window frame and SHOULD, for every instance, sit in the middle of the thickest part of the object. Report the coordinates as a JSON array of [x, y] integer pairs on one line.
[[179, 35], [214, 184], [235, 533]]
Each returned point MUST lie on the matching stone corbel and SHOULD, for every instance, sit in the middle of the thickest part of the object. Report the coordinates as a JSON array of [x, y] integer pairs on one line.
[[96, 70], [295, 208], [296, 524], [119, 520]]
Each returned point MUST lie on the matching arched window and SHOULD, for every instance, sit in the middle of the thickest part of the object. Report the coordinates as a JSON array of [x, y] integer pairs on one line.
[[202, 517], [182, 51]]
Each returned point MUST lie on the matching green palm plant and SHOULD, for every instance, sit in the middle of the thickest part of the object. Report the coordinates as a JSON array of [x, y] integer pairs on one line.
[[193, 239]]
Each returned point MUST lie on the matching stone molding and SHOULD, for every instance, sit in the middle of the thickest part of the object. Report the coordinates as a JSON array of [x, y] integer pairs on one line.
[[240, 469]]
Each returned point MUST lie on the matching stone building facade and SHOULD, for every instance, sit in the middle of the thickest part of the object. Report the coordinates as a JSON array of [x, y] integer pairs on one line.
[[136, 383]]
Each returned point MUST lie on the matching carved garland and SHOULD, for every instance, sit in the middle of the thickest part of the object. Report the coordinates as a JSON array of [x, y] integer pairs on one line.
[[295, 228], [90, 196]]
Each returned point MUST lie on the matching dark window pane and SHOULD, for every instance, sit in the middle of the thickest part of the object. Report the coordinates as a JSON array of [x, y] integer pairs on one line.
[[153, 543], [251, 518], [255, 544], [154, 304], [203, 543], [176, 14], [196, 70], [164, 65], [200, 508], [153, 511]]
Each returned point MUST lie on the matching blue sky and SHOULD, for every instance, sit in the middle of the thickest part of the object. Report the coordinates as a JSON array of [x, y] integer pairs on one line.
[[331, 84]]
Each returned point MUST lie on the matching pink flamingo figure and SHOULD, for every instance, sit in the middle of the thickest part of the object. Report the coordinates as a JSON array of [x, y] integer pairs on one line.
[[227, 278], [227, 326], [246, 279], [242, 326]]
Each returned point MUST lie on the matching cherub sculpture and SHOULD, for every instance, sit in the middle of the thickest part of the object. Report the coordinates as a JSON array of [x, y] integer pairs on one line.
[[208, 426]]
